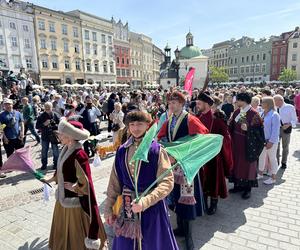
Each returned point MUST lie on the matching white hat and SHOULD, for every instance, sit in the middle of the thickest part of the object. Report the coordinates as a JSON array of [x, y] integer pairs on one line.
[[74, 129], [8, 101]]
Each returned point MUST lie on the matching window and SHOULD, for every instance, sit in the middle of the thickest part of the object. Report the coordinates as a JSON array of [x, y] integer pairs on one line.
[[252, 69], [66, 46], [118, 72], [75, 31], [3, 59], [123, 61], [76, 46], [64, 29], [67, 64], [41, 24], [44, 62], [103, 40], [264, 56], [247, 59], [242, 70], [127, 61], [87, 35], [257, 68], [54, 63], [77, 64], [294, 57], [111, 67], [87, 48], [247, 69], [25, 28], [295, 45], [12, 25], [243, 59], [109, 39], [110, 51], [127, 72], [88, 66], [27, 43], [118, 60], [1, 40], [43, 43], [123, 72], [51, 27], [53, 44], [257, 57], [29, 63], [263, 68], [133, 75], [14, 42], [103, 50], [235, 60], [252, 58], [16, 61], [96, 67], [94, 36], [294, 67], [95, 49], [105, 67]]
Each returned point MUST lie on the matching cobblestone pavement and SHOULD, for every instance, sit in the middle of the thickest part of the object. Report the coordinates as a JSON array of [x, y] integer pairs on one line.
[[270, 219]]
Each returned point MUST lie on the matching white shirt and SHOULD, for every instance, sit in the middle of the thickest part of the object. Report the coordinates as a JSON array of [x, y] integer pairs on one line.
[[287, 114], [61, 103], [93, 113]]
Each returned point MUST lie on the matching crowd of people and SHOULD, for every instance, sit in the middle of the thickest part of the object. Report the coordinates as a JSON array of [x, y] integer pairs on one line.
[[256, 124]]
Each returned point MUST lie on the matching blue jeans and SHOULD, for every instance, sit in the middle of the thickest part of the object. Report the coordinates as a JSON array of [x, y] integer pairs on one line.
[[30, 126], [45, 149]]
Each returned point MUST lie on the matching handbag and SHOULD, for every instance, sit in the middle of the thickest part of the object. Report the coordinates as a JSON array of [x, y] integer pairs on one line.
[[53, 137]]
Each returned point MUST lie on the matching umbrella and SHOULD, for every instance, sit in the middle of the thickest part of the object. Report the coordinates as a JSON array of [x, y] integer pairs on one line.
[[21, 160]]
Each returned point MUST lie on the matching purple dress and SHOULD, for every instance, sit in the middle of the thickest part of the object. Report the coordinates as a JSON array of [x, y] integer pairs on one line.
[[155, 224]]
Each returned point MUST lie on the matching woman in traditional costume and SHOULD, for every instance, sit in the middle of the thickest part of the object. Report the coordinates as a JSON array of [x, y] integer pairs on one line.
[[143, 225], [76, 221]]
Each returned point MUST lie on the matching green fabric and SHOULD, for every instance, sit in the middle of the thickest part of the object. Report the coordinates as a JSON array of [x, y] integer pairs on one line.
[[28, 113], [141, 154], [193, 152]]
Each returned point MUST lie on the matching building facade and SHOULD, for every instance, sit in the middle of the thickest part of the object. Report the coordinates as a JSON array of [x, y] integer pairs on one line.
[[220, 53], [249, 60], [147, 62], [17, 39], [98, 48], [122, 52], [59, 47], [279, 55], [210, 55], [158, 58], [136, 50], [293, 55]]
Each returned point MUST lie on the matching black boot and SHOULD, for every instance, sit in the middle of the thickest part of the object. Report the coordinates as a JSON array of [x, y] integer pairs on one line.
[[187, 227], [213, 206], [179, 231], [247, 193]]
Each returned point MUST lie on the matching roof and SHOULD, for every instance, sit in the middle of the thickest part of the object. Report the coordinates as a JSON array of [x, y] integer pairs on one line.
[[189, 52]]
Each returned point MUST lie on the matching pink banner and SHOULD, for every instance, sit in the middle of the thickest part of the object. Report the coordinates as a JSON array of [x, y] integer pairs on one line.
[[188, 83]]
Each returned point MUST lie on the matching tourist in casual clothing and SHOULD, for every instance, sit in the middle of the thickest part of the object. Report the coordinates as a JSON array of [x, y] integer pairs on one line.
[[47, 123], [150, 214], [117, 118], [228, 107], [271, 129], [28, 115], [13, 133], [288, 120]]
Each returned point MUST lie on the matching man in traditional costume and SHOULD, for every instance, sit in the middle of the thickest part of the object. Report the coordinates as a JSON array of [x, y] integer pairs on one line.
[[186, 200], [214, 173], [76, 221], [145, 224], [246, 129]]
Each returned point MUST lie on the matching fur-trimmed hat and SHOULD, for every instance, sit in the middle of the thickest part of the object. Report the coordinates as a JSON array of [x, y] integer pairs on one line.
[[204, 97], [74, 129], [177, 96], [138, 116]]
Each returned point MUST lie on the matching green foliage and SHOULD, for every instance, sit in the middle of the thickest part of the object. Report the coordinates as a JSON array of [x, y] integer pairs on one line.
[[287, 75], [218, 74]]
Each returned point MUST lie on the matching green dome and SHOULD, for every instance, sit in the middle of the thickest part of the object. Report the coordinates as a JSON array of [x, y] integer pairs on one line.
[[189, 52]]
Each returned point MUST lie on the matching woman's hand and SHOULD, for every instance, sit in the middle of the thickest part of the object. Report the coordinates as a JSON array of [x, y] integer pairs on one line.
[[70, 186], [269, 145], [137, 207]]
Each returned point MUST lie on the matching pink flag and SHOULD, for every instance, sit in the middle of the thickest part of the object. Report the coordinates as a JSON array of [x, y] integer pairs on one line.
[[188, 83]]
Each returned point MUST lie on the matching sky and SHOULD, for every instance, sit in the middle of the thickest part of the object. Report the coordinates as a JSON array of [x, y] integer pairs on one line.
[[210, 21]]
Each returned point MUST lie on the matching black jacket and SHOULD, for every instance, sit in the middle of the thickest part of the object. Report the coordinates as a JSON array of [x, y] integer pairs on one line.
[[46, 130]]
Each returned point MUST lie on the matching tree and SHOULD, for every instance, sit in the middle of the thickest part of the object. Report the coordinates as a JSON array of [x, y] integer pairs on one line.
[[218, 74], [287, 75]]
